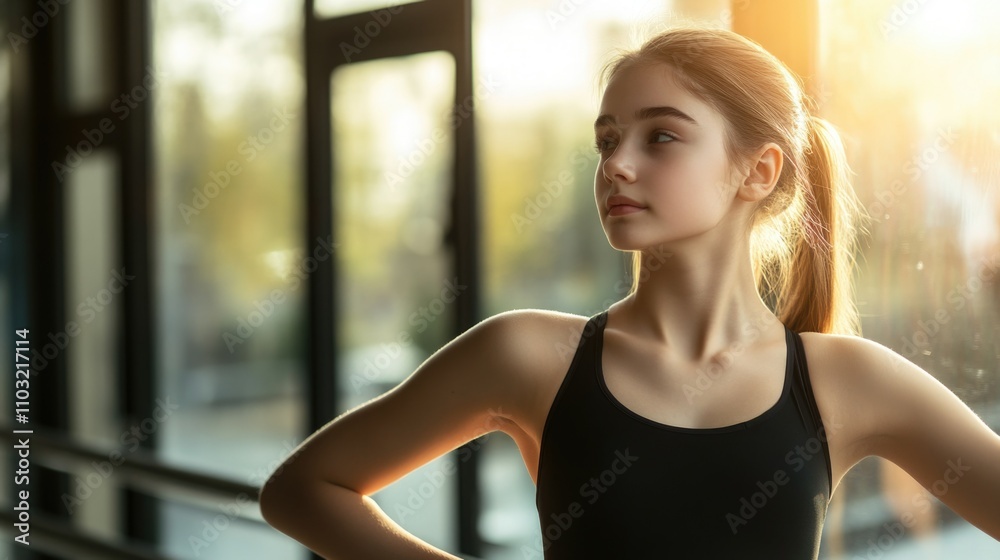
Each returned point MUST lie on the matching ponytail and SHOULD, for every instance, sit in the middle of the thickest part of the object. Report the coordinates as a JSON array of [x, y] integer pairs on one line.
[[816, 292]]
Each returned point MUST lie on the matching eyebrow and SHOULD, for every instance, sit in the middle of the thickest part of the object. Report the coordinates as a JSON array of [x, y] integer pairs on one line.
[[649, 113]]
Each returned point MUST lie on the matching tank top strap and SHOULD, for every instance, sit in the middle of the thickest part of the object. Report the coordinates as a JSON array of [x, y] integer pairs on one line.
[[576, 384], [805, 401], [586, 350], [590, 336]]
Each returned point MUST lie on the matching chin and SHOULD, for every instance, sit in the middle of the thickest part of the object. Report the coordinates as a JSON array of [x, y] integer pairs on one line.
[[623, 242], [619, 246]]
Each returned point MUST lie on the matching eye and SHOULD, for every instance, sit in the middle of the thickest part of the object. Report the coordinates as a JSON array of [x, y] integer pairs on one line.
[[600, 146], [659, 134]]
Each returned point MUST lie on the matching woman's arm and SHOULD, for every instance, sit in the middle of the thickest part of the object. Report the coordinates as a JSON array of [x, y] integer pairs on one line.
[[319, 495], [913, 420], [339, 523]]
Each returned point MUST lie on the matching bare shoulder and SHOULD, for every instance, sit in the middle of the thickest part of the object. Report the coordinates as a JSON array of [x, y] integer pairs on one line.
[[510, 364], [881, 404], [858, 380], [838, 363], [843, 370], [539, 329], [545, 327], [535, 347]]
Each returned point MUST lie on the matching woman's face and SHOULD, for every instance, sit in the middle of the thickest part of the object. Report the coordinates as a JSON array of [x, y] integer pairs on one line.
[[661, 147]]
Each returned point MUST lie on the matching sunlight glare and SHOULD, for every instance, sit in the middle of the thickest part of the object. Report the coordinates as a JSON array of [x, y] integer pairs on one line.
[[943, 23]]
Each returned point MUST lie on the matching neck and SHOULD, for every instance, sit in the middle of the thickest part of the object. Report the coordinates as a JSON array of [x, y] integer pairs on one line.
[[696, 302]]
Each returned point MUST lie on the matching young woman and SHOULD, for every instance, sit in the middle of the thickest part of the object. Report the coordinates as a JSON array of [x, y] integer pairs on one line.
[[691, 418]]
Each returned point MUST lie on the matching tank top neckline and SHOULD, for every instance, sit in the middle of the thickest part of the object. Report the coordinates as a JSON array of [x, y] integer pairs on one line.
[[746, 424]]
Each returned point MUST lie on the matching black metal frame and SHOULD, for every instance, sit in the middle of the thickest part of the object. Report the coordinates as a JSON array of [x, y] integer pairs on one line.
[[407, 33], [34, 234], [43, 124]]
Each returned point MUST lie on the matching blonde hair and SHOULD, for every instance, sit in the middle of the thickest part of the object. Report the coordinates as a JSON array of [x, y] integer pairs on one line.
[[802, 235]]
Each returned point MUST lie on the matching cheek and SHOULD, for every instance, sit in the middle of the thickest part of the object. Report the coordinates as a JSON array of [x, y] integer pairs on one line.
[[693, 186]]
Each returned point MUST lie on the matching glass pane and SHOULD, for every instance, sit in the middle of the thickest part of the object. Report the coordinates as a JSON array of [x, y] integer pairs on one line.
[[230, 255], [543, 242], [912, 86], [229, 303], [382, 13], [392, 159], [89, 77], [95, 282]]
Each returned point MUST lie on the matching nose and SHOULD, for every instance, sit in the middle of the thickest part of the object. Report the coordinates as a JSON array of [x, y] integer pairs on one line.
[[618, 167]]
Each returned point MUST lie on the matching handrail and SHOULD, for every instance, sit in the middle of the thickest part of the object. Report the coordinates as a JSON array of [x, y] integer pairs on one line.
[[140, 468], [63, 540]]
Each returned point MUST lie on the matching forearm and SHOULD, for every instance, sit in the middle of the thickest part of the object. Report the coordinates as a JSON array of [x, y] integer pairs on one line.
[[340, 524]]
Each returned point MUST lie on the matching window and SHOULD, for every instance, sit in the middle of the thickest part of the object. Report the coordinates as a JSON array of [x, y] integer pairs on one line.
[[230, 305], [911, 86], [392, 146]]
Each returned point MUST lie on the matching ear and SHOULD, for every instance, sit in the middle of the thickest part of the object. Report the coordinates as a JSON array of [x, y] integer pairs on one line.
[[765, 169]]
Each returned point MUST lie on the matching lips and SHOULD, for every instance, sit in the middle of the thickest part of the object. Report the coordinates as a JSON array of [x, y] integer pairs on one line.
[[619, 204]]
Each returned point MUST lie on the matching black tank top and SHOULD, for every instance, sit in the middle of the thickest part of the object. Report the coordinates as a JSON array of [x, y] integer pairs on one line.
[[612, 484]]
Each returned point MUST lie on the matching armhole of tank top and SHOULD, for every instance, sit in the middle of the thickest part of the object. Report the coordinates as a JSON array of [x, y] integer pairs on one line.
[[803, 374], [578, 355]]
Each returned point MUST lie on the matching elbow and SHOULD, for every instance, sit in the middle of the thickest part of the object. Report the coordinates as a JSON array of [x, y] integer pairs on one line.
[[276, 498], [269, 500]]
